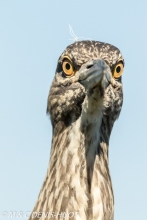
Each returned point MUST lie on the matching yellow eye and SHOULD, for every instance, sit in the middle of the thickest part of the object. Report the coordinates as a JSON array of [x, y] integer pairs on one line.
[[67, 67], [118, 70]]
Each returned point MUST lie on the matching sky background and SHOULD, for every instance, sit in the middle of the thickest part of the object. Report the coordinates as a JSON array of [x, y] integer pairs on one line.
[[33, 34]]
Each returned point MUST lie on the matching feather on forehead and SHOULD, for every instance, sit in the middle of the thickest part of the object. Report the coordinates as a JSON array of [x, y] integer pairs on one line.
[[82, 51]]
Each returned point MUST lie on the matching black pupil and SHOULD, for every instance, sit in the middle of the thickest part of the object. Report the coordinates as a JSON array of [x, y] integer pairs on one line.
[[67, 66], [118, 69]]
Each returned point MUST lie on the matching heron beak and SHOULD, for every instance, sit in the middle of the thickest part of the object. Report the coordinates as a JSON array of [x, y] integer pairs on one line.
[[95, 72]]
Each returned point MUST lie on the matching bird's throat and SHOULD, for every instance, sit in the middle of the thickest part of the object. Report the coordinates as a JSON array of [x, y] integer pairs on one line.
[[76, 170]]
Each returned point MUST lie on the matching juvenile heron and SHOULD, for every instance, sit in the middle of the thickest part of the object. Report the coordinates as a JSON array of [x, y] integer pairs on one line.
[[84, 101]]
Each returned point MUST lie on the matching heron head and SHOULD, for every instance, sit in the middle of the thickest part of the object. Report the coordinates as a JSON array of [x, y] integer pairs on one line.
[[90, 65]]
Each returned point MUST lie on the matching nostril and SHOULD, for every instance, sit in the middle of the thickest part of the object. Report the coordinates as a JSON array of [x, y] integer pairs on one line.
[[89, 66]]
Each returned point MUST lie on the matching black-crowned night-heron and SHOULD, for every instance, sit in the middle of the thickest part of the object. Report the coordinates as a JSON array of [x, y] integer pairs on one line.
[[84, 101]]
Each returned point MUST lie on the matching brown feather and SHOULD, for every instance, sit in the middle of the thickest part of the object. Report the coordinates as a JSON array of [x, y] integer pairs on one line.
[[78, 178]]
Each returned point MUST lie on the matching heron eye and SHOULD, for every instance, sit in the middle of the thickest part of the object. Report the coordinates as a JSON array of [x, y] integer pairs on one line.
[[68, 68], [118, 70]]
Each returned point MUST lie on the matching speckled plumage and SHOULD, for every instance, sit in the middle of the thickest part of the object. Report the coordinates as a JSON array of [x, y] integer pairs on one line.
[[82, 116]]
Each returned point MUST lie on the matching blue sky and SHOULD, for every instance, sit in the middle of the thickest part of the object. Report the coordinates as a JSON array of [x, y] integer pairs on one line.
[[33, 34]]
